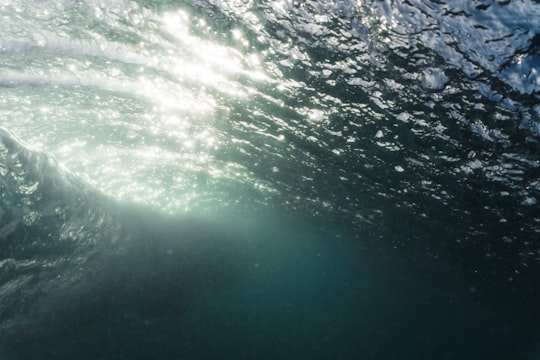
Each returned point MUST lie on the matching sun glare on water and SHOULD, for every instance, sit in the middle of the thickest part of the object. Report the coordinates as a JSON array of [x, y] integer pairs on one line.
[[191, 83]]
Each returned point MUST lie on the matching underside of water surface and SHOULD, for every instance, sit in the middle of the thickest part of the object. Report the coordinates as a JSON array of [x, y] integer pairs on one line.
[[269, 179]]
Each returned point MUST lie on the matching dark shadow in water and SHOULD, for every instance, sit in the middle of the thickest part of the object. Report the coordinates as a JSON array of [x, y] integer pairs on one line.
[[280, 291]]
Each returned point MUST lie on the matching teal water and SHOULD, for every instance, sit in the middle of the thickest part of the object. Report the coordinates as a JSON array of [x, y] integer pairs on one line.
[[269, 179]]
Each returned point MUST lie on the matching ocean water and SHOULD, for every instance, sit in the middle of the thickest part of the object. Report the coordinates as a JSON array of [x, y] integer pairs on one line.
[[269, 179]]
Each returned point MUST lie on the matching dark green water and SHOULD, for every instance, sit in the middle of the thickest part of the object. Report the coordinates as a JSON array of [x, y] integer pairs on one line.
[[269, 180]]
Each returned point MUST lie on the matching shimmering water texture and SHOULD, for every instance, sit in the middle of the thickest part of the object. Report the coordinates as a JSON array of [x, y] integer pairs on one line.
[[269, 179]]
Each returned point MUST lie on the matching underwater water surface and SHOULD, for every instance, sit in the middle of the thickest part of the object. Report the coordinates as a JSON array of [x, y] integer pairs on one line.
[[269, 179]]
